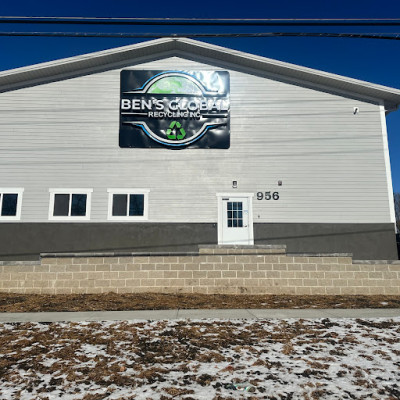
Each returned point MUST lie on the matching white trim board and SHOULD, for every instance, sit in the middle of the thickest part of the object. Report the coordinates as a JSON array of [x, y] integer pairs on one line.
[[387, 163], [128, 218], [73, 66], [69, 218], [19, 192]]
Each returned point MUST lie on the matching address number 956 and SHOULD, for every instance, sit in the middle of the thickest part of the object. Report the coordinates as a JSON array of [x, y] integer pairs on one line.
[[267, 195]]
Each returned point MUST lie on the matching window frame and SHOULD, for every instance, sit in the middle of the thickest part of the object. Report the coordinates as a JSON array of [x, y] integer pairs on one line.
[[19, 192], [72, 191], [128, 192]]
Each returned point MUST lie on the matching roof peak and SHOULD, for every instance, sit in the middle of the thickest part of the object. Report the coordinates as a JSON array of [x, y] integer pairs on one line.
[[143, 51]]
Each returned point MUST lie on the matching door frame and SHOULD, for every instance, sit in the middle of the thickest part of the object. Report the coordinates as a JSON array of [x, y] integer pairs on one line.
[[249, 196]]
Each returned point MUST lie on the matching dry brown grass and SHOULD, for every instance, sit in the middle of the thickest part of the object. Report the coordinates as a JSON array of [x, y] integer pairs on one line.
[[152, 301], [314, 359]]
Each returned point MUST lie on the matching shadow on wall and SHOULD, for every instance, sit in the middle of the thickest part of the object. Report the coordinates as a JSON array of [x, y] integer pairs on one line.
[[398, 245]]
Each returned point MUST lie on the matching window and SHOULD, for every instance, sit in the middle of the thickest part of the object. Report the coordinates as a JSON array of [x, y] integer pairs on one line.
[[10, 204], [235, 214], [128, 204], [70, 204]]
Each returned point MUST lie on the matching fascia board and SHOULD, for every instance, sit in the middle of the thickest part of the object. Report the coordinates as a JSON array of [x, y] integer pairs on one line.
[[88, 56], [38, 73], [79, 65], [62, 73], [280, 77], [325, 79]]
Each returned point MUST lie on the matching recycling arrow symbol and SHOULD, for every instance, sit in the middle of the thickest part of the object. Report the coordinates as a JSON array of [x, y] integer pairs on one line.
[[173, 133]]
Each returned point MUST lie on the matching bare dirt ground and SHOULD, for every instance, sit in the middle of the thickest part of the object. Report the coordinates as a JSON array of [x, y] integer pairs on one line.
[[152, 301]]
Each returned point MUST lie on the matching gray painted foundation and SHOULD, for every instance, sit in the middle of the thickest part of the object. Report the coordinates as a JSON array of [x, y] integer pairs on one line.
[[25, 241], [398, 244], [364, 241]]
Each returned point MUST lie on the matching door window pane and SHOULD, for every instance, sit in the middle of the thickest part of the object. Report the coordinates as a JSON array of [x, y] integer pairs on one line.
[[136, 204], [9, 207], [78, 206], [61, 205], [119, 205], [234, 214]]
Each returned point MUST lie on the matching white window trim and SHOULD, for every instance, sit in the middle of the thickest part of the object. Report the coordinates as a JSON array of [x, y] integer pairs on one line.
[[145, 215], [72, 191], [18, 191]]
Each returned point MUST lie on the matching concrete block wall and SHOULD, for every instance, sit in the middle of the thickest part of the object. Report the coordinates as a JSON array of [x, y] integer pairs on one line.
[[214, 269]]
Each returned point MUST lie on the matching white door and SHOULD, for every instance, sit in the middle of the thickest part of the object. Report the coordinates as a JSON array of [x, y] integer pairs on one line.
[[235, 220]]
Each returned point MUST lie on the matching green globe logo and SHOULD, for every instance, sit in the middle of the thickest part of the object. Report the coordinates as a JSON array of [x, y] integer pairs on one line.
[[174, 82], [174, 85]]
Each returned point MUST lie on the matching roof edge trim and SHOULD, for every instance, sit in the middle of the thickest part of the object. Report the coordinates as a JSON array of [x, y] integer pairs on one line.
[[21, 77]]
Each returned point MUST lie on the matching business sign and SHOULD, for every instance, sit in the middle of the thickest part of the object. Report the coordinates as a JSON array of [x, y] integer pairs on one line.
[[174, 109]]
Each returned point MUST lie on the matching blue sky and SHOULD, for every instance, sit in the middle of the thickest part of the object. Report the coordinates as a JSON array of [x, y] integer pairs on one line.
[[376, 61]]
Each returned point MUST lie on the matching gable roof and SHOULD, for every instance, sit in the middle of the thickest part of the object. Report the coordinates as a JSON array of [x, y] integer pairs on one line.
[[161, 48]]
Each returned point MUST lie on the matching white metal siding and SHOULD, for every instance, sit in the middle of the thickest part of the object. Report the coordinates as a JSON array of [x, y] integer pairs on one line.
[[331, 162]]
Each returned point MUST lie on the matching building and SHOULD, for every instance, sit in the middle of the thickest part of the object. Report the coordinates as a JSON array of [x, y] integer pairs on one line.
[[173, 143]]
